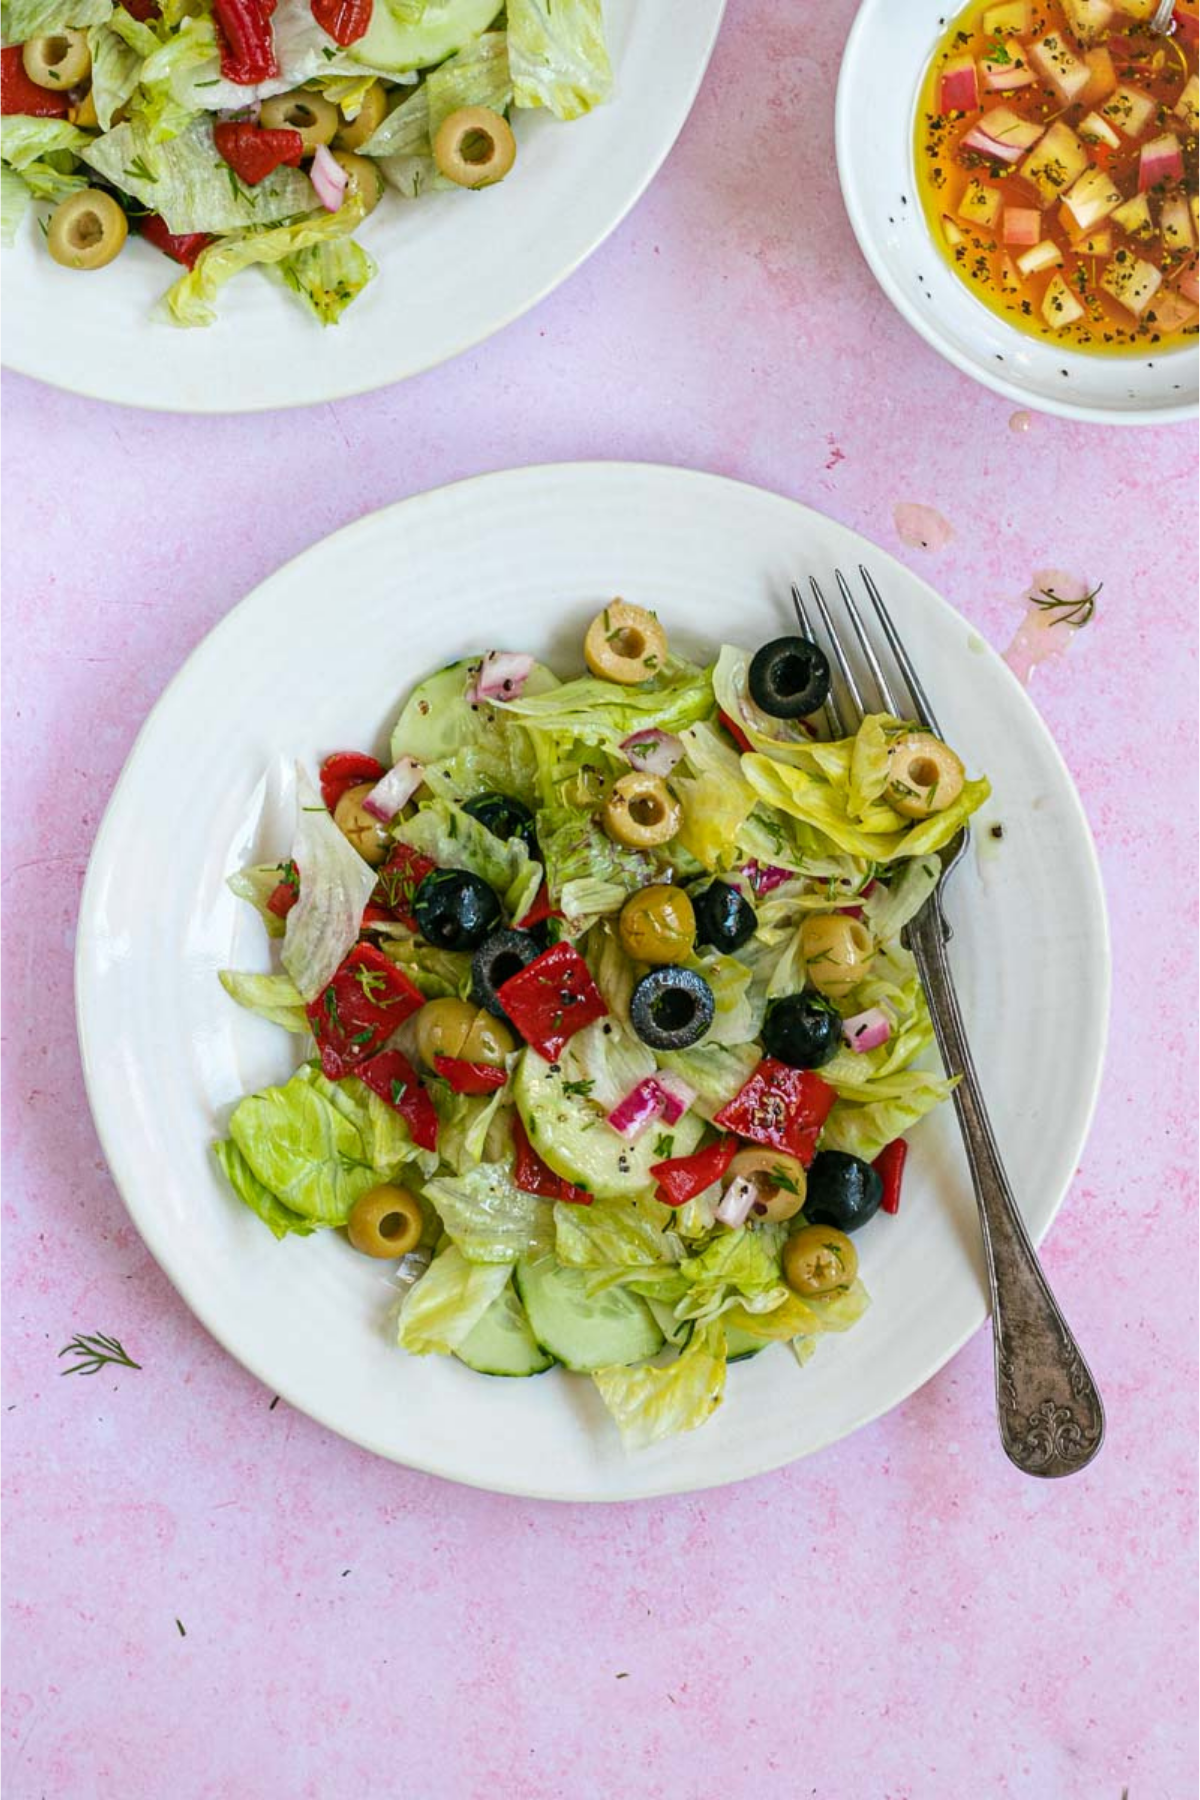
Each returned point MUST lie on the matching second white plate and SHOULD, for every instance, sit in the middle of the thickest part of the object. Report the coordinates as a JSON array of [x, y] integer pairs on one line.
[[318, 659]]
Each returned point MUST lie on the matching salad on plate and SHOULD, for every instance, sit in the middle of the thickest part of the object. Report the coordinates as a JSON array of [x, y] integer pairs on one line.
[[261, 133], [613, 1045]]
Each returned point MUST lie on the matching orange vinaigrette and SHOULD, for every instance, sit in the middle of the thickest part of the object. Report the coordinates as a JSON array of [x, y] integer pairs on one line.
[[1056, 162]]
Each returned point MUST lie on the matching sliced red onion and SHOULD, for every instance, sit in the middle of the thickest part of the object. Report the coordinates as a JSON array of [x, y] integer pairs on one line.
[[653, 750], [867, 1030], [328, 177], [395, 790], [677, 1096], [640, 1107], [737, 1202], [993, 148], [763, 877], [502, 675]]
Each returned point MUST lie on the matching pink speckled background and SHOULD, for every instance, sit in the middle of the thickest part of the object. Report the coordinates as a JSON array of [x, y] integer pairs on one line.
[[901, 1618]]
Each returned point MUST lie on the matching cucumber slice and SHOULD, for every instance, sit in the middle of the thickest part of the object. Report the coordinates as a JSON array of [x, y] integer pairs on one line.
[[741, 1345], [438, 719], [584, 1331], [502, 1343], [444, 27], [573, 1137]]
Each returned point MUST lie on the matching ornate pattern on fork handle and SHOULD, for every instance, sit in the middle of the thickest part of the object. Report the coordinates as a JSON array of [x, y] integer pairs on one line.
[[1051, 1417]]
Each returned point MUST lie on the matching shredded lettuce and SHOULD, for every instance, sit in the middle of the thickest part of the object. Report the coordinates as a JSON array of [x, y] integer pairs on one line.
[[116, 70], [280, 1220], [326, 277], [273, 997], [477, 76], [467, 748], [650, 1403], [442, 1309], [603, 713], [716, 798], [488, 1217], [558, 54], [808, 1315], [881, 835], [455, 840], [191, 300], [256, 884], [193, 189], [15, 196], [22, 19], [616, 1235], [335, 885], [303, 1150]]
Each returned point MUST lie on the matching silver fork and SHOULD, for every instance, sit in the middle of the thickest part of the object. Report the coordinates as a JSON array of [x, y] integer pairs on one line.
[[1164, 13], [1051, 1418]]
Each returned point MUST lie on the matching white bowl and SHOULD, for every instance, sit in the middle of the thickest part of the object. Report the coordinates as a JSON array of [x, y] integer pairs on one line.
[[882, 68]]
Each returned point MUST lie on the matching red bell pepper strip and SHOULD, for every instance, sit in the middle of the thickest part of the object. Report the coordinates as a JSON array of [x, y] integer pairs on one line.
[[889, 1166], [20, 95], [681, 1178], [735, 731], [143, 10], [345, 20], [181, 249], [254, 153], [399, 879], [245, 40], [393, 1078], [470, 1077], [782, 1107], [541, 910], [285, 894], [359, 1009], [552, 998], [346, 768], [533, 1177]]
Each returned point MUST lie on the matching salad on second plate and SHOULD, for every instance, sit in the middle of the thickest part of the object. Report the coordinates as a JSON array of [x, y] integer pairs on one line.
[[260, 133], [613, 1044]]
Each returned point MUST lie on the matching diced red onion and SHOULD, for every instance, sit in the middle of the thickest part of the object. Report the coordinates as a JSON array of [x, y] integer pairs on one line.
[[328, 177], [653, 750], [737, 1202], [394, 791], [1161, 160], [959, 86], [995, 151], [677, 1096], [640, 1107], [763, 877], [867, 1030], [502, 675]]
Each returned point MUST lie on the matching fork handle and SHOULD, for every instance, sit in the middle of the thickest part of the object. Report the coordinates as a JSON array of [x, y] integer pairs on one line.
[[1051, 1418]]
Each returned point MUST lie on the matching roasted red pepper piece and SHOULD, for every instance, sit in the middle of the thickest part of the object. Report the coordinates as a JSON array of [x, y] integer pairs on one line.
[[393, 1078], [142, 10], [246, 43], [782, 1107], [469, 1077], [347, 769], [345, 20], [361, 1007], [889, 1166], [399, 879], [735, 731], [541, 910], [551, 999], [181, 249], [20, 95], [533, 1177], [253, 154], [681, 1178], [285, 894]]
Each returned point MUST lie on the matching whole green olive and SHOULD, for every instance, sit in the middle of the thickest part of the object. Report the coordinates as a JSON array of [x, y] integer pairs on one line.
[[365, 179], [658, 925], [386, 1221], [837, 952], [356, 823], [817, 1259], [456, 1028]]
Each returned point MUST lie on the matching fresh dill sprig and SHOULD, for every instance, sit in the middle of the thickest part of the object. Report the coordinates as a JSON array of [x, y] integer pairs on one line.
[[95, 1349], [1075, 613]]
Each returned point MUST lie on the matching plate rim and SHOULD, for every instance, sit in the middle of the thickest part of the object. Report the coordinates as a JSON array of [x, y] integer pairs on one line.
[[1174, 413], [102, 392], [260, 596]]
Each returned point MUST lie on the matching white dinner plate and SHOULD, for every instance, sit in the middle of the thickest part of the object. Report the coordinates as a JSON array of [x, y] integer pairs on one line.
[[453, 267], [318, 659], [884, 63]]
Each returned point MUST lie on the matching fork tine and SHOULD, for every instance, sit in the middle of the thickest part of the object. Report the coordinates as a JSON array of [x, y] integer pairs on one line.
[[839, 657], [833, 717], [924, 711], [886, 692]]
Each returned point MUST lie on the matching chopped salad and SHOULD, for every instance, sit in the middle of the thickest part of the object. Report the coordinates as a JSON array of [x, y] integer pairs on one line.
[[613, 1045], [261, 133]]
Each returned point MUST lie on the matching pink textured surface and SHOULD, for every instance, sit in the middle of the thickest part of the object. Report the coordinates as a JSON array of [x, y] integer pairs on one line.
[[900, 1618]]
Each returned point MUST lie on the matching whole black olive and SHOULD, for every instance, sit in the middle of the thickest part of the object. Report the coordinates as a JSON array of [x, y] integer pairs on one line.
[[504, 817], [455, 910], [504, 953], [802, 1030], [842, 1191], [671, 1008], [723, 918], [789, 678]]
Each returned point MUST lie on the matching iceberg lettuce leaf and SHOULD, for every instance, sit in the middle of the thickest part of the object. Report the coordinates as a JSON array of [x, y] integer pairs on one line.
[[558, 55], [304, 1150], [193, 189], [455, 840], [477, 76], [442, 1309], [23, 19], [280, 1220], [488, 1217], [326, 278], [649, 1403], [273, 997], [335, 885]]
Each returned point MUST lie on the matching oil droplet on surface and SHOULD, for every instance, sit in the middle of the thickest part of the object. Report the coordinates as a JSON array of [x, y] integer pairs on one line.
[[1020, 421], [921, 527], [1043, 634]]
